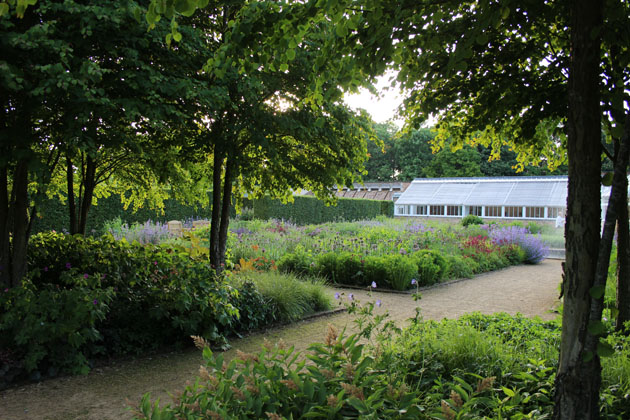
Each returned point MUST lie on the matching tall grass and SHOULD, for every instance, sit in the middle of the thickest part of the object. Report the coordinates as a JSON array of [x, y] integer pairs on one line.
[[291, 298]]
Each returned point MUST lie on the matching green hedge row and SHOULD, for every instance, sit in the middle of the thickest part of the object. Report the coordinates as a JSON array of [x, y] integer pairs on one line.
[[305, 210], [309, 210], [54, 214]]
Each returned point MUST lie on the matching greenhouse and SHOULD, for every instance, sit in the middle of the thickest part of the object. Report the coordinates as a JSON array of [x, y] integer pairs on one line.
[[540, 198]]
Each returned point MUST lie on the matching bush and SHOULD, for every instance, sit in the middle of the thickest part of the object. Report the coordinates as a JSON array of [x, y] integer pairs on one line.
[[300, 262], [535, 249], [460, 267], [471, 219], [400, 271], [88, 297], [339, 383], [432, 266]]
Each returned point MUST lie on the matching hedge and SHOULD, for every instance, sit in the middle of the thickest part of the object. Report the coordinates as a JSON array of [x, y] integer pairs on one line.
[[305, 210], [309, 210], [54, 214]]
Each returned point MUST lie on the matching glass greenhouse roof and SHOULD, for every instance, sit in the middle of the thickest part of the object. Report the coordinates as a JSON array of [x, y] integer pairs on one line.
[[505, 191]]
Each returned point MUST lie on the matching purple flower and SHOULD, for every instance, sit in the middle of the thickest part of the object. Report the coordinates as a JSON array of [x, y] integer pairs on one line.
[[68, 265], [402, 251], [45, 268], [95, 302], [378, 303], [154, 262], [337, 295], [6, 290], [351, 296], [103, 276], [85, 276], [373, 285], [414, 281]]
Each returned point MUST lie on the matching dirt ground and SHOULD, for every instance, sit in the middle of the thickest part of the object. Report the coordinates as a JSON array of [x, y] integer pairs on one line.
[[529, 289]]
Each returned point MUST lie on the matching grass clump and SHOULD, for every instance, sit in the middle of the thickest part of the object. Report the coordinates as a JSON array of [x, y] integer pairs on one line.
[[288, 297]]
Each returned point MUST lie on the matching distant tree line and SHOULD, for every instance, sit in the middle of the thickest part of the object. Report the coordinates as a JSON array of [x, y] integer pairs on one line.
[[405, 155]]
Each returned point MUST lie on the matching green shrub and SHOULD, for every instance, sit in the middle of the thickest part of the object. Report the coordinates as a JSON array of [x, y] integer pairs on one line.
[[376, 270], [350, 269], [254, 309], [400, 271], [326, 266], [101, 296], [460, 267], [428, 271], [340, 382], [534, 228], [432, 266], [471, 219], [299, 262]]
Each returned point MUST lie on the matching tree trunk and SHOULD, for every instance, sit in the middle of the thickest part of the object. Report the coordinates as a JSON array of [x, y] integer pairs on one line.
[[578, 378], [623, 248], [215, 250], [5, 243], [225, 209], [20, 221], [72, 206], [88, 193]]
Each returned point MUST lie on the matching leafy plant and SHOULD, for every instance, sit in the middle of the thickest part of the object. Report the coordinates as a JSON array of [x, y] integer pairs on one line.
[[471, 219]]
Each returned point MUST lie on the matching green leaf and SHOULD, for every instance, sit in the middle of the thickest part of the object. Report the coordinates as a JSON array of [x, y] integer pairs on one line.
[[177, 36], [597, 292], [508, 392], [596, 328], [604, 349], [341, 30], [4, 9], [290, 55], [607, 179], [505, 12]]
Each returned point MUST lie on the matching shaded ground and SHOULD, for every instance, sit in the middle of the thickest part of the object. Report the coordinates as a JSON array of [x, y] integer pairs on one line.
[[530, 290]]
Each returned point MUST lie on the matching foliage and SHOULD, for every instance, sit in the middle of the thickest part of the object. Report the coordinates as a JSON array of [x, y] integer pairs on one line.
[[89, 297], [471, 219], [147, 233], [53, 214], [464, 162], [287, 297], [535, 249], [479, 366], [338, 382], [309, 210]]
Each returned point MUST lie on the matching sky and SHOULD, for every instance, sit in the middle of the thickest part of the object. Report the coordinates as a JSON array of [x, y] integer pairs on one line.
[[381, 109]]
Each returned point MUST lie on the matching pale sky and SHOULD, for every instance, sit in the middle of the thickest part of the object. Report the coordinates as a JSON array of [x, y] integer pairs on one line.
[[381, 109]]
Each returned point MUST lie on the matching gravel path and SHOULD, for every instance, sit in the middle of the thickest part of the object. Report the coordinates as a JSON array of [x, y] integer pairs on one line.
[[530, 289]]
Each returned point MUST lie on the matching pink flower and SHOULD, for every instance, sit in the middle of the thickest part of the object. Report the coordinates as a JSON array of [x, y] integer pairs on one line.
[[68, 265], [85, 276]]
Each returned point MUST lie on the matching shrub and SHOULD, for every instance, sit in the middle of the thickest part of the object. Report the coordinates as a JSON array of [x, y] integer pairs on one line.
[[471, 219], [461, 267], [340, 382], [535, 249], [299, 262], [102, 296], [350, 269], [326, 266], [401, 270], [425, 260]]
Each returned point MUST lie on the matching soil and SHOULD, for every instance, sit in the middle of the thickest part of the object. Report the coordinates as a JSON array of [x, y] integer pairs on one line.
[[531, 290]]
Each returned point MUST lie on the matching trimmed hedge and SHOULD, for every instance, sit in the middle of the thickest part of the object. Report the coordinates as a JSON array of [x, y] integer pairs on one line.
[[54, 214], [305, 210], [309, 210]]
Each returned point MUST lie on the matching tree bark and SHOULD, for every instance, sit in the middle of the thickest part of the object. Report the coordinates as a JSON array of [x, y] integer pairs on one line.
[[578, 378], [72, 206], [623, 248], [20, 221], [215, 221], [89, 184], [225, 209], [5, 244]]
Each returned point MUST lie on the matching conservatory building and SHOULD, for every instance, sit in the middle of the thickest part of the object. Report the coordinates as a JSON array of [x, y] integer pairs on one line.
[[528, 198]]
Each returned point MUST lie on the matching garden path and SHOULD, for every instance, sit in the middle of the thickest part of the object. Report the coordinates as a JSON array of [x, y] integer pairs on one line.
[[529, 289]]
